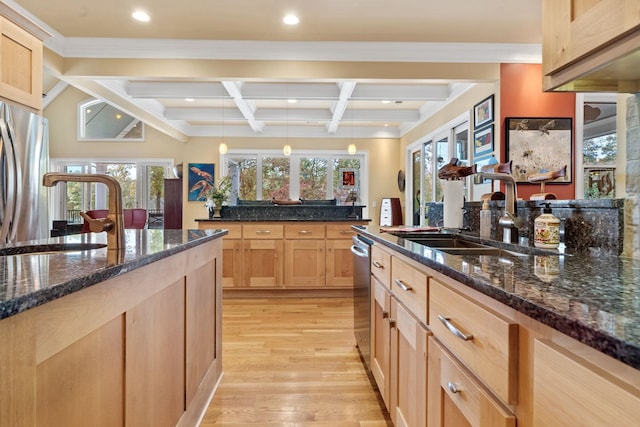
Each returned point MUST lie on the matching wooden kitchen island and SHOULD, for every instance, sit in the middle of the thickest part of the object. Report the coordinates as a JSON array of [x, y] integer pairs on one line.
[[86, 339]]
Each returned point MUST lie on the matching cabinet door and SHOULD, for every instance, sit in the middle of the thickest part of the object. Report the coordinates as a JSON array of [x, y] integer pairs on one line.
[[155, 359], [339, 263], [408, 369], [380, 337], [457, 399], [569, 391], [201, 325], [21, 65], [173, 204], [231, 263], [91, 371], [262, 263], [304, 262]]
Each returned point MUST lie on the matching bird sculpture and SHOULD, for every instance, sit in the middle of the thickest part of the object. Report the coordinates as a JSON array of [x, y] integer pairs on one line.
[[452, 171]]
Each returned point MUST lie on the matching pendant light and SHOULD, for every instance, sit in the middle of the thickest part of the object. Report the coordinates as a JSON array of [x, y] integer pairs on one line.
[[351, 149]]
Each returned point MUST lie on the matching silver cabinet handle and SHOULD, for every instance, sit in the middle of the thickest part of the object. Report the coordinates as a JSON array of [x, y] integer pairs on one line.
[[403, 285], [346, 232], [304, 232], [455, 331], [452, 387], [263, 232], [376, 264]]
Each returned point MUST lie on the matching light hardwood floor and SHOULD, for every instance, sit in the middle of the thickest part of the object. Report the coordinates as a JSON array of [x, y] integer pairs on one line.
[[291, 362]]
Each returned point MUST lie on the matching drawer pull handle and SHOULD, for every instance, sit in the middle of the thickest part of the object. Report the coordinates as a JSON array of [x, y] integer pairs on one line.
[[385, 314], [455, 331], [392, 323], [263, 232], [376, 264], [403, 285], [452, 387], [305, 232], [346, 232]]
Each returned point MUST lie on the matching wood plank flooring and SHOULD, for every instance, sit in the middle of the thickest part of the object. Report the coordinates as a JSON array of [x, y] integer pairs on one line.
[[291, 362]]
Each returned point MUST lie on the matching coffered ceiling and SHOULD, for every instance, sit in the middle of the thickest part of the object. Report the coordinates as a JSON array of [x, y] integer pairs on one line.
[[362, 68]]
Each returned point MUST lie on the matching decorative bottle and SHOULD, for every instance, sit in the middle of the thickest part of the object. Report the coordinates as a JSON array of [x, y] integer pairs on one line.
[[485, 221], [546, 230]]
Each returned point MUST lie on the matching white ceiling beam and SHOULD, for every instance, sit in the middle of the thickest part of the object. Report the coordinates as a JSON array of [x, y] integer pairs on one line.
[[246, 108], [401, 92], [203, 114], [346, 89], [164, 89]]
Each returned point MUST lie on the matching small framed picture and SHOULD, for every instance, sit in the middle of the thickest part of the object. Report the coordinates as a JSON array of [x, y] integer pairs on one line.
[[483, 141], [483, 112], [348, 178]]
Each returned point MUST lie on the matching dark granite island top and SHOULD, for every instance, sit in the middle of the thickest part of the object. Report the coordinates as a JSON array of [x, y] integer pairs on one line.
[[593, 298], [30, 280]]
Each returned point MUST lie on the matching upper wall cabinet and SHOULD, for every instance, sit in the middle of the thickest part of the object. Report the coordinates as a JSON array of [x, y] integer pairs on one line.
[[20, 65], [591, 45]]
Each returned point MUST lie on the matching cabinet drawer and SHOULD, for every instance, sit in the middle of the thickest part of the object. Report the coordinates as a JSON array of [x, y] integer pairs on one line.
[[487, 343], [381, 265], [410, 287], [304, 231], [262, 231], [340, 231], [474, 401], [234, 230]]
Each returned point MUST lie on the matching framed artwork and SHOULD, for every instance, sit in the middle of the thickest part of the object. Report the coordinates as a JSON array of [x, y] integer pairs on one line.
[[483, 112], [483, 141], [348, 178], [200, 180], [538, 145]]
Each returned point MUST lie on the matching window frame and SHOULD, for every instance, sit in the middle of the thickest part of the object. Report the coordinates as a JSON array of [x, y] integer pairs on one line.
[[294, 167]]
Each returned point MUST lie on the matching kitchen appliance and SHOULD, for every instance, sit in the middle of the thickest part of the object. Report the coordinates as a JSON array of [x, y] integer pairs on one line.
[[361, 250], [24, 158]]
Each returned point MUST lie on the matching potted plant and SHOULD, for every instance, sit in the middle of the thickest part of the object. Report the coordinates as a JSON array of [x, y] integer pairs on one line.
[[217, 195]]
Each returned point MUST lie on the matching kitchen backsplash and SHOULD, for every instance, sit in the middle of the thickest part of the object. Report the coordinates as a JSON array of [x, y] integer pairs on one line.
[[586, 225]]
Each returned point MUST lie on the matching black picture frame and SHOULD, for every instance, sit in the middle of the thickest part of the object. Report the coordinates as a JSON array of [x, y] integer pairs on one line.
[[483, 112], [539, 144]]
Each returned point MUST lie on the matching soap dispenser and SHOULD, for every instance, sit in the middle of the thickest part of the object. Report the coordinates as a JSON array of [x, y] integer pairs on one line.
[[546, 229], [485, 221]]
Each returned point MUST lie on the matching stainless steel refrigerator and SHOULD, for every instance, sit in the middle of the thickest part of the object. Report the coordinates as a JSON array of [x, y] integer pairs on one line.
[[24, 158]]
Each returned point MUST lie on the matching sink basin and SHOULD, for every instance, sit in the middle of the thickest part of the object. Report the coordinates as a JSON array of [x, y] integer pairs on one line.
[[447, 243], [47, 249]]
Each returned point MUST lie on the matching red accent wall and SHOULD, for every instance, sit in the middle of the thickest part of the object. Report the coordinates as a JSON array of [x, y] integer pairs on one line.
[[521, 95]]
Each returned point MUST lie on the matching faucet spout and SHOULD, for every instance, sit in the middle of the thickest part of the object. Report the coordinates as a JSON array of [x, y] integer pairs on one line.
[[509, 220], [114, 223]]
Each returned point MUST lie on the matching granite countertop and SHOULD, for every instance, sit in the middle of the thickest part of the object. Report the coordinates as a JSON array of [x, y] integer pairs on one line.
[[29, 280], [594, 298]]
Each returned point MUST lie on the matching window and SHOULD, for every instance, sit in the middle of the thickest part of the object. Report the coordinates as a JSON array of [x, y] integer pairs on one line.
[[100, 121], [599, 150], [142, 184], [427, 157], [309, 175]]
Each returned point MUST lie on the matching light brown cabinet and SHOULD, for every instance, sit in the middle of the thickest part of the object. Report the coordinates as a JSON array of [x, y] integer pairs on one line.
[[148, 354], [20, 65], [591, 45], [286, 255], [569, 390], [381, 338], [457, 399]]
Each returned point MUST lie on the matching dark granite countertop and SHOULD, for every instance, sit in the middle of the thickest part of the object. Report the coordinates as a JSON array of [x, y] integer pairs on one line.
[[592, 297], [30, 280]]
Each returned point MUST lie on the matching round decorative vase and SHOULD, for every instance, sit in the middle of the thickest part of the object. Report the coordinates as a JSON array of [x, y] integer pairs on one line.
[[177, 170]]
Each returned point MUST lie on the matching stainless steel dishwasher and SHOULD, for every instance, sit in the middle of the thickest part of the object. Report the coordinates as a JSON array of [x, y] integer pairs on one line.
[[361, 250]]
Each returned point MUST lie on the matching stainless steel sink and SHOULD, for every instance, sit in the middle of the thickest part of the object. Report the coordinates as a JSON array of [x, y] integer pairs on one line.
[[47, 249], [448, 242]]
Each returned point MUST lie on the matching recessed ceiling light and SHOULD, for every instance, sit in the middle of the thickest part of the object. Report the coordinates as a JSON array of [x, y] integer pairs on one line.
[[292, 101], [386, 102], [189, 99], [141, 15], [291, 19]]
